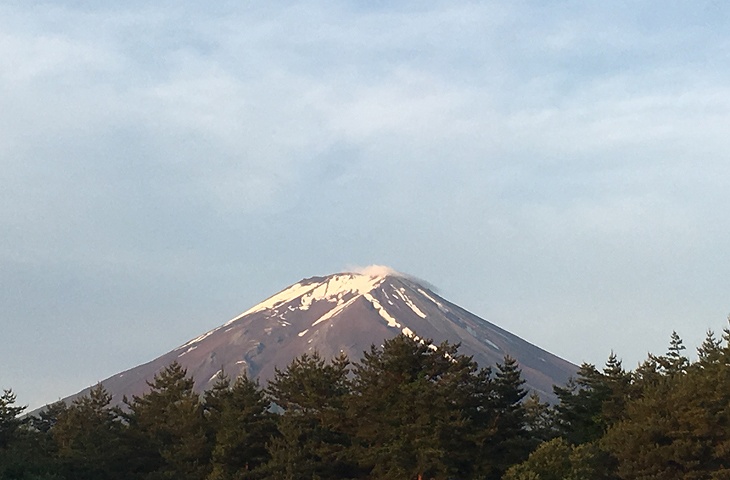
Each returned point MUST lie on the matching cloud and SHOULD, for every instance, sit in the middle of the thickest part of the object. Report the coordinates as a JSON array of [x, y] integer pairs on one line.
[[376, 271], [536, 162]]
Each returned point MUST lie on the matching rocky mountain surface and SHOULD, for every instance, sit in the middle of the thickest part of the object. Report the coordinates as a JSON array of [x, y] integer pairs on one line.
[[344, 312]]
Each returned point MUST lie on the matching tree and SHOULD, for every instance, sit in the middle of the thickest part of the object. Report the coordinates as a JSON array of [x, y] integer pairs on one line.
[[578, 412], [88, 438], [10, 421], [594, 401], [400, 419], [25, 453], [243, 428], [559, 460], [674, 362], [311, 440], [710, 352], [539, 419], [510, 442], [550, 461], [679, 427], [422, 411], [167, 429]]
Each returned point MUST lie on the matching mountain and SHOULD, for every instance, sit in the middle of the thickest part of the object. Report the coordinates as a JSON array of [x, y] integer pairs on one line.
[[343, 312]]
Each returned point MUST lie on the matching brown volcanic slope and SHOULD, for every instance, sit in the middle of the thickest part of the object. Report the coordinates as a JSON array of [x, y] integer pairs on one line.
[[343, 312]]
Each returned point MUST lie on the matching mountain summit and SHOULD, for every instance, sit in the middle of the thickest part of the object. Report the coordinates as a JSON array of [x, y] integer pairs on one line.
[[344, 312]]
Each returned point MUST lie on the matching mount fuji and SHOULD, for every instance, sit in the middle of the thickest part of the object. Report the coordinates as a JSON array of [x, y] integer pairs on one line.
[[344, 312]]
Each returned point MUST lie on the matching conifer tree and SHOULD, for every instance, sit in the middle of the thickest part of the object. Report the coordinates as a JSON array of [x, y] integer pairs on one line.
[[539, 419], [578, 412], [167, 429], [9, 418], [677, 428], [25, 453], [421, 411], [311, 440], [710, 352], [88, 436], [558, 460], [394, 396], [214, 402], [674, 362], [510, 442], [594, 401], [48, 417], [244, 428]]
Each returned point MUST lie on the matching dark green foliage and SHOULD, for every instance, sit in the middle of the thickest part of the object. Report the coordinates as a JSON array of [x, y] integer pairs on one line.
[[400, 416], [710, 352], [558, 460], [578, 414], [408, 410], [510, 442], [88, 438], [539, 419], [311, 441], [167, 431], [9, 418], [680, 427], [48, 417], [242, 427], [673, 362], [595, 401], [424, 411], [25, 453]]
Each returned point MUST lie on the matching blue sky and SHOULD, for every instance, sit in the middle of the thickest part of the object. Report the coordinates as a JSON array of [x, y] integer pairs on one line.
[[558, 168]]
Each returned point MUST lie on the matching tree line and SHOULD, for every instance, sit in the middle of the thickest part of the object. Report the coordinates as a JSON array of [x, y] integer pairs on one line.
[[408, 410]]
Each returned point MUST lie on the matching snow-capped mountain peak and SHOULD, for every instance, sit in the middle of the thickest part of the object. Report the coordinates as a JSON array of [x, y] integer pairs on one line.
[[339, 289], [345, 312]]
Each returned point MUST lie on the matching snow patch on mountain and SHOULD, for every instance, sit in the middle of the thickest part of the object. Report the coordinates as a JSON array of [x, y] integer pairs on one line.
[[199, 338], [438, 304], [401, 292], [286, 295], [339, 308], [392, 322]]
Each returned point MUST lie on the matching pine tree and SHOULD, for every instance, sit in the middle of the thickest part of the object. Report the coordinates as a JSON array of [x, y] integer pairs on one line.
[[674, 362], [559, 460], [10, 421], [580, 406], [510, 442], [539, 419], [421, 411], [399, 411], [25, 453], [619, 390], [88, 435], [244, 428], [311, 440], [710, 352], [48, 416], [677, 427], [167, 429]]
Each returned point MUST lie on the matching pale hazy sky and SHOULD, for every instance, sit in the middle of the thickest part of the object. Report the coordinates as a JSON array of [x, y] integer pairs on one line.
[[558, 168]]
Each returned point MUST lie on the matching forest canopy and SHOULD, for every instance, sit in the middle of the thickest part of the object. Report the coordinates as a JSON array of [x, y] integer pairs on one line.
[[408, 410]]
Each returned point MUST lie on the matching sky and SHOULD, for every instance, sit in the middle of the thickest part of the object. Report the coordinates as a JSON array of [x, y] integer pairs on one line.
[[559, 168]]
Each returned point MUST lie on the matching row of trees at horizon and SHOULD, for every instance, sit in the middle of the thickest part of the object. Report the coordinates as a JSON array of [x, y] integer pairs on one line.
[[407, 410]]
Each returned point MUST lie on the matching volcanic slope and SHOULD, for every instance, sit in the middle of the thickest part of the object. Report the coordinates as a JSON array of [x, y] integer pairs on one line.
[[345, 312]]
